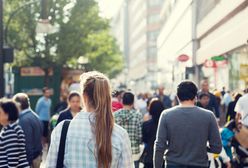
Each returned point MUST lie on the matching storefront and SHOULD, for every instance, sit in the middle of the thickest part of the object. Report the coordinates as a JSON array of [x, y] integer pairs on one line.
[[238, 68], [231, 71]]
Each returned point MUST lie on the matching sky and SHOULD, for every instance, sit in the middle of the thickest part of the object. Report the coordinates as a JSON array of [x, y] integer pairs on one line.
[[109, 7]]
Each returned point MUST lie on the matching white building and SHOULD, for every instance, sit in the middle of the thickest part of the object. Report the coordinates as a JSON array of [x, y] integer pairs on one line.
[[223, 32], [174, 40], [203, 30], [141, 23]]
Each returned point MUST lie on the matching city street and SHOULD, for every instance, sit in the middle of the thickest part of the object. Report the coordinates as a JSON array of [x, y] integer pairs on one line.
[[124, 83]]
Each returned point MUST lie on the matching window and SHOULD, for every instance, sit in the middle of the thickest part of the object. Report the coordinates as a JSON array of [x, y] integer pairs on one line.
[[153, 19]]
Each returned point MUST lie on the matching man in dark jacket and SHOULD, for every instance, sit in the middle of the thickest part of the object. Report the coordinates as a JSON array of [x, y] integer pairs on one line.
[[164, 98], [212, 105], [32, 128]]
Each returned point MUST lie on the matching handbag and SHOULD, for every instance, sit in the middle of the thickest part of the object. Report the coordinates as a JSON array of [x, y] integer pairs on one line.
[[61, 153]]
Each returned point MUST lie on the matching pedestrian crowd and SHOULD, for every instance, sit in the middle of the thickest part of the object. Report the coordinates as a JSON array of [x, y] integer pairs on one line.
[[100, 128]]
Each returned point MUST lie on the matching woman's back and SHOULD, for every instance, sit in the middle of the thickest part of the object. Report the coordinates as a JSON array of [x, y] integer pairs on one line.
[[80, 145]]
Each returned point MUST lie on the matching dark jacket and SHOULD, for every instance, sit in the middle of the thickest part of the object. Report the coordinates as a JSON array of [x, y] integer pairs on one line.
[[213, 104], [60, 106], [200, 105], [165, 100], [64, 115], [230, 110], [31, 125], [149, 129]]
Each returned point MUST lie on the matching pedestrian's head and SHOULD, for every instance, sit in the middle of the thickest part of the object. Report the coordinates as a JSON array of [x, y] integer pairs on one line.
[[96, 93], [8, 112], [186, 91], [23, 100], [204, 85], [161, 90], [155, 108], [128, 98], [46, 92], [204, 99], [217, 93], [237, 96], [74, 101], [118, 94]]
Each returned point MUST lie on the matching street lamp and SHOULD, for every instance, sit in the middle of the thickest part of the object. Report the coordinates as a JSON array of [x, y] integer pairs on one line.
[[43, 26]]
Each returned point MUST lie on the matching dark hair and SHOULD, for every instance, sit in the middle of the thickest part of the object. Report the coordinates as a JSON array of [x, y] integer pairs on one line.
[[128, 98], [73, 94], [22, 99], [186, 90], [117, 93], [237, 96], [9, 107], [155, 109], [201, 95], [44, 89]]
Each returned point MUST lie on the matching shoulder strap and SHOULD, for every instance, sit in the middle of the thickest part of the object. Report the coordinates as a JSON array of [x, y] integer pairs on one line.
[[60, 159]]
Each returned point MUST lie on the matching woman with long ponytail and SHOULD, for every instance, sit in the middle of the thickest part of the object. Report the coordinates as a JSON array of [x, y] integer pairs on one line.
[[93, 140]]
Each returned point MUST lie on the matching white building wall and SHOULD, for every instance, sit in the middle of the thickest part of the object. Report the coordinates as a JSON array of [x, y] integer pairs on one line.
[[175, 39], [228, 36]]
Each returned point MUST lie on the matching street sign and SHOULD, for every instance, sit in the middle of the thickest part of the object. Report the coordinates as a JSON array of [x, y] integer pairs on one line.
[[218, 58], [183, 58]]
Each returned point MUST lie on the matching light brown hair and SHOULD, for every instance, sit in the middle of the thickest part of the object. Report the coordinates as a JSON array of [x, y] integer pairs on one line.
[[96, 87]]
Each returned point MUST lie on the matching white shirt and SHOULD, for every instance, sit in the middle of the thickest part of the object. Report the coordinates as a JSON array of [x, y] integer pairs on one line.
[[242, 108]]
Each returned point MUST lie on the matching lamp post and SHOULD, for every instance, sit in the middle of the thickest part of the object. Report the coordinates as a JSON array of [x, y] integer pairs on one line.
[[44, 25], [1, 51]]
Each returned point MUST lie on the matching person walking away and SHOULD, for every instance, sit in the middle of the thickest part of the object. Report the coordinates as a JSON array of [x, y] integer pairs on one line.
[[42, 108], [93, 140], [230, 110], [32, 128], [12, 138], [131, 120], [149, 129], [213, 104], [223, 92], [184, 132], [74, 107]]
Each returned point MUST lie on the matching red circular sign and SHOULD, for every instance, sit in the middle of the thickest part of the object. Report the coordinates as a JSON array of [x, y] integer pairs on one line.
[[183, 58]]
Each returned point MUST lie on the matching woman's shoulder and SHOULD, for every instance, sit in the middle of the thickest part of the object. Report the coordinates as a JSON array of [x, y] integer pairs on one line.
[[119, 132], [13, 129]]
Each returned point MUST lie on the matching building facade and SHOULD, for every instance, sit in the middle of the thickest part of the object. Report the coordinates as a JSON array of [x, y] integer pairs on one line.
[[213, 34], [140, 22], [175, 39], [222, 31]]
